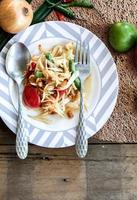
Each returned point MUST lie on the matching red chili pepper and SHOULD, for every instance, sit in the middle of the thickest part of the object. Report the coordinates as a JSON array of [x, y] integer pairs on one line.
[[30, 70], [60, 16], [32, 66], [61, 92], [31, 97], [27, 74], [67, 1]]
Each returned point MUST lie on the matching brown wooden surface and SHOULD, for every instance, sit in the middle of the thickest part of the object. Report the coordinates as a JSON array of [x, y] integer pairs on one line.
[[107, 173]]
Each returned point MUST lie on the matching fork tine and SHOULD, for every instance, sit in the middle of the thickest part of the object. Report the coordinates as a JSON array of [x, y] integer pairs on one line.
[[84, 54], [76, 53], [88, 55], [80, 54]]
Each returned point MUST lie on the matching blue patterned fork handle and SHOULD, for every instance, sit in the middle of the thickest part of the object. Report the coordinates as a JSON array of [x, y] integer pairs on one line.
[[81, 140], [22, 135]]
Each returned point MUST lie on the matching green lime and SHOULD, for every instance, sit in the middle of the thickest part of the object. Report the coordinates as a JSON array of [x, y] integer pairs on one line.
[[122, 36]]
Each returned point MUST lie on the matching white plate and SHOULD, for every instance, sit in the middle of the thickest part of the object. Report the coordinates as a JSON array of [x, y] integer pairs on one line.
[[102, 88], [92, 90]]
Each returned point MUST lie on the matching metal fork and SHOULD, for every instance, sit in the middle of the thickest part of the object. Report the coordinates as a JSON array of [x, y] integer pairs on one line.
[[82, 62]]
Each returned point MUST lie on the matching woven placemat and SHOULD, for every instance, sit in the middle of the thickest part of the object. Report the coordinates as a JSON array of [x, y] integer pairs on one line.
[[122, 126]]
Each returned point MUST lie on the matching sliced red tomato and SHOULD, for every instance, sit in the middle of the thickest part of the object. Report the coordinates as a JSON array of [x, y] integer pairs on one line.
[[31, 97]]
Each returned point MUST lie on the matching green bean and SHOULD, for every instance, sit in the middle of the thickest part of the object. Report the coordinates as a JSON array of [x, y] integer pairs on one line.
[[72, 69], [78, 83], [49, 57], [38, 74], [81, 3], [66, 12]]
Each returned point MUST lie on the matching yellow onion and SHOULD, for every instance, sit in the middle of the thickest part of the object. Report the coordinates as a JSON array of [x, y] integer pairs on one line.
[[15, 15]]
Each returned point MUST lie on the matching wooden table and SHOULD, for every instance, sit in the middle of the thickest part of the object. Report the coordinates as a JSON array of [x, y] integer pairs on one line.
[[107, 173], [109, 170]]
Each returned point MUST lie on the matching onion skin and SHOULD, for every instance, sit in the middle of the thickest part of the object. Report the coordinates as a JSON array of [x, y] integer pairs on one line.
[[15, 15]]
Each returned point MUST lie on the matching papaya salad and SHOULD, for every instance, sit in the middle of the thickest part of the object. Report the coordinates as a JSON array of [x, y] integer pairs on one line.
[[52, 83]]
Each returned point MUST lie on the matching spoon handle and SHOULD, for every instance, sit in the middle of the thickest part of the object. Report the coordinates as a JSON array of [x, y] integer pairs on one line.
[[22, 135]]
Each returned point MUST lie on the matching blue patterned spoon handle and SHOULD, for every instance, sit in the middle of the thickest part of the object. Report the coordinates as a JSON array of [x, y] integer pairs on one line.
[[22, 135], [81, 140]]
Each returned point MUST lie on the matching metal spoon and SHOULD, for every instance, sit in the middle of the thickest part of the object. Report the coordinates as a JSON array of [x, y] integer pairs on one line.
[[16, 60]]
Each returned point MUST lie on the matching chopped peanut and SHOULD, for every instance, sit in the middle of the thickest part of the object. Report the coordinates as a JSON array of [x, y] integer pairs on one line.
[[32, 80], [75, 96], [69, 112], [40, 84], [63, 83], [69, 45]]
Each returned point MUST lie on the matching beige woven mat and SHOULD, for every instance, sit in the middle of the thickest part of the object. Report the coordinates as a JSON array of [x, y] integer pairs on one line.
[[122, 126]]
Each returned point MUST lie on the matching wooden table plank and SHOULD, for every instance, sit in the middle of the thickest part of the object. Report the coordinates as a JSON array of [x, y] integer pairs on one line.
[[6, 135], [97, 151], [43, 180], [108, 173]]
